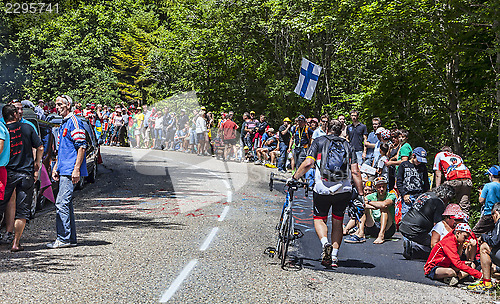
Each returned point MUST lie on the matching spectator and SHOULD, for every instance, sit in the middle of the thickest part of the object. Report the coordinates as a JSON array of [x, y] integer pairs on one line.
[[456, 174], [243, 133], [250, 126], [343, 133], [489, 252], [284, 143], [357, 134], [404, 150], [323, 127], [426, 212], [412, 179], [382, 169], [260, 130], [270, 144], [378, 220], [158, 127], [371, 142], [383, 136], [9, 216], [302, 136], [139, 131], [169, 123], [201, 132], [351, 226], [146, 129], [229, 128], [490, 194], [444, 260], [183, 119], [69, 168]]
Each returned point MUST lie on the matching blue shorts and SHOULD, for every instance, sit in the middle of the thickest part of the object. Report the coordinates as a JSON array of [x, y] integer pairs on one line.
[[432, 273]]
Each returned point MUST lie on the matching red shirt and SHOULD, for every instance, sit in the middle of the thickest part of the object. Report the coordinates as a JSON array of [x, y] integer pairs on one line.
[[452, 165], [229, 129], [445, 254]]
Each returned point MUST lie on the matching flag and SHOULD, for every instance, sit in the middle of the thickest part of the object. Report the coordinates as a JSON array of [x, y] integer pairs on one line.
[[45, 182], [308, 78]]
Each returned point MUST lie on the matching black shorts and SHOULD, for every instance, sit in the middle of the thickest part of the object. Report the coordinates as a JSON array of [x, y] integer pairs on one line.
[[375, 229], [231, 141], [484, 225], [23, 184], [323, 203], [432, 273]]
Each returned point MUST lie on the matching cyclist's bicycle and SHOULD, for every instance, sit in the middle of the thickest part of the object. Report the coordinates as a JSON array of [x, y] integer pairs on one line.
[[286, 230]]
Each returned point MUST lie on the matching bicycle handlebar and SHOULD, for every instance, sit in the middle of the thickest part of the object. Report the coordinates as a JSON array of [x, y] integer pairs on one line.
[[295, 185]]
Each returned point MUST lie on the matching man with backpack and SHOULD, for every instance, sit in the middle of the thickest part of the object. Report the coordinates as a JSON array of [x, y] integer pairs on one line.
[[336, 167]]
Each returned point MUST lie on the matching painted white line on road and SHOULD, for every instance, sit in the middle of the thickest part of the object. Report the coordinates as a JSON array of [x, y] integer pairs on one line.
[[178, 281], [223, 214], [209, 239], [229, 197]]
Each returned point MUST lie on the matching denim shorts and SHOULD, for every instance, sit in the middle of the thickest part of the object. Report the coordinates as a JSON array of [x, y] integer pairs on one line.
[[432, 274]]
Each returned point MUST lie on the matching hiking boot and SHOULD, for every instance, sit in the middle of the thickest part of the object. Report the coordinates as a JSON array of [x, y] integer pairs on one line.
[[326, 257], [480, 288], [453, 281], [407, 251]]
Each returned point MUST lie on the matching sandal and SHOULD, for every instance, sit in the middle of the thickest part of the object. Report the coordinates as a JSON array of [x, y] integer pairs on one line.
[[353, 239]]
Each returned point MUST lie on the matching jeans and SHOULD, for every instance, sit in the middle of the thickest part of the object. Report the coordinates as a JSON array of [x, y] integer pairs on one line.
[[283, 156], [65, 216], [406, 207], [359, 156]]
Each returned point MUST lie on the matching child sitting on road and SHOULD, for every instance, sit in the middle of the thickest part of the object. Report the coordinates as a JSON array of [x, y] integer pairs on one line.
[[444, 260], [352, 225]]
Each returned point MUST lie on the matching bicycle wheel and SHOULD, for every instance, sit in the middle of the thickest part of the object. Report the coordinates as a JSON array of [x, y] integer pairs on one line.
[[285, 239]]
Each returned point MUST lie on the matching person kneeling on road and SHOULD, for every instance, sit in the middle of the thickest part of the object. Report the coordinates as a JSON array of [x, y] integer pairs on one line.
[[378, 220], [333, 189], [444, 260], [490, 253]]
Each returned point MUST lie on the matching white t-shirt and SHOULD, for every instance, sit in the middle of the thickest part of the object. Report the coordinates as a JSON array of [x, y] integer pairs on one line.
[[440, 229], [201, 125], [159, 122]]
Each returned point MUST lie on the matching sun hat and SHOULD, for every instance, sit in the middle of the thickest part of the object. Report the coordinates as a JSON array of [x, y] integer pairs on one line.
[[386, 134], [463, 227], [452, 209], [287, 119], [461, 216], [379, 130]]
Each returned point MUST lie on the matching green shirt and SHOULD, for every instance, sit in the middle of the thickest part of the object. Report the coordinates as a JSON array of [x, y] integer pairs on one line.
[[376, 212], [405, 150]]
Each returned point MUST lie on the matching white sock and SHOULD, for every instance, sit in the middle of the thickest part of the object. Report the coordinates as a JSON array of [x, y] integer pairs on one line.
[[334, 252], [324, 241]]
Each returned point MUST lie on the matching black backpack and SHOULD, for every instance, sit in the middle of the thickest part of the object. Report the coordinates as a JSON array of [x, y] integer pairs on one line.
[[335, 165]]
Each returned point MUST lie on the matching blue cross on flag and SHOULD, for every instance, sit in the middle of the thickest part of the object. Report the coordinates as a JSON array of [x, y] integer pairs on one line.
[[308, 78]]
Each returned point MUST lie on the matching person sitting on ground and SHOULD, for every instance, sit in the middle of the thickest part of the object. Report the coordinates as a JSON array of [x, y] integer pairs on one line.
[[270, 144], [489, 196], [378, 220], [352, 225], [426, 212], [412, 178], [490, 252], [444, 259]]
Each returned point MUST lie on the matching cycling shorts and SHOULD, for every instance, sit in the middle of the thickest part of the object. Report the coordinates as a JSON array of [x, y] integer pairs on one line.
[[337, 202]]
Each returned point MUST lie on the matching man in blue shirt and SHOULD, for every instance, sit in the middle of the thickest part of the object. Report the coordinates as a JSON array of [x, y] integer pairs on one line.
[[68, 170], [490, 194]]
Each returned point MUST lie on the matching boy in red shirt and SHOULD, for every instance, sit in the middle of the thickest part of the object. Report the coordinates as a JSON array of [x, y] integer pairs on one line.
[[444, 261]]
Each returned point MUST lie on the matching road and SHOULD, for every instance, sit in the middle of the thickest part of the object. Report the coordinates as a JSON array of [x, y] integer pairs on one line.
[[167, 227]]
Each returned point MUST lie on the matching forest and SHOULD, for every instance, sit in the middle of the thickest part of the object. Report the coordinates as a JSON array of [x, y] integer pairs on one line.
[[432, 67]]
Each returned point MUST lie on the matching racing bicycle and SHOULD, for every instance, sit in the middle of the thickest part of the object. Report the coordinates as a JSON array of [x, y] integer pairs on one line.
[[286, 230]]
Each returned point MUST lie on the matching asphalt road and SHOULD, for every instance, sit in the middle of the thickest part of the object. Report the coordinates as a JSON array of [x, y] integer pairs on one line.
[[178, 228]]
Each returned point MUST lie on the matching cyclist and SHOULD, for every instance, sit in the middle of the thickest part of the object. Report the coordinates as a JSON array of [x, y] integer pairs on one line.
[[334, 193]]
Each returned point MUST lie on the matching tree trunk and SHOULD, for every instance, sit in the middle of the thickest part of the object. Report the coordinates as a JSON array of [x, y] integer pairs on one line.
[[454, 104], [497, 72]]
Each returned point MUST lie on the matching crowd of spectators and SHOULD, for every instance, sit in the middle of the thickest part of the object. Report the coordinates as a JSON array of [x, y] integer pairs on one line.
[[430, 210]]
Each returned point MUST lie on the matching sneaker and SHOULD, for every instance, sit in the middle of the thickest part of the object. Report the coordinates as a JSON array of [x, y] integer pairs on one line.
[[326, 257], [480, 288], [7, 238], [258, 162], [58, 244], [354, 239], [335, 262], [453, 281]]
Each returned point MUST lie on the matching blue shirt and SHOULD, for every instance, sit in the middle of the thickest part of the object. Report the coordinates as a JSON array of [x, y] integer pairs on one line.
[[491, 192], [71, 138], [373, 139], [317, 133], [4, 134]]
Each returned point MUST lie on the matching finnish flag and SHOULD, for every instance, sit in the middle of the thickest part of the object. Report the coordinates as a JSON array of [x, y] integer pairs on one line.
[[308, 78]]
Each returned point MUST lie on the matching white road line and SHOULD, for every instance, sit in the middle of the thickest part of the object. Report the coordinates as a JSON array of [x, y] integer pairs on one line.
[[209, 239], [178, 281], [223, 214], [229, 197]]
